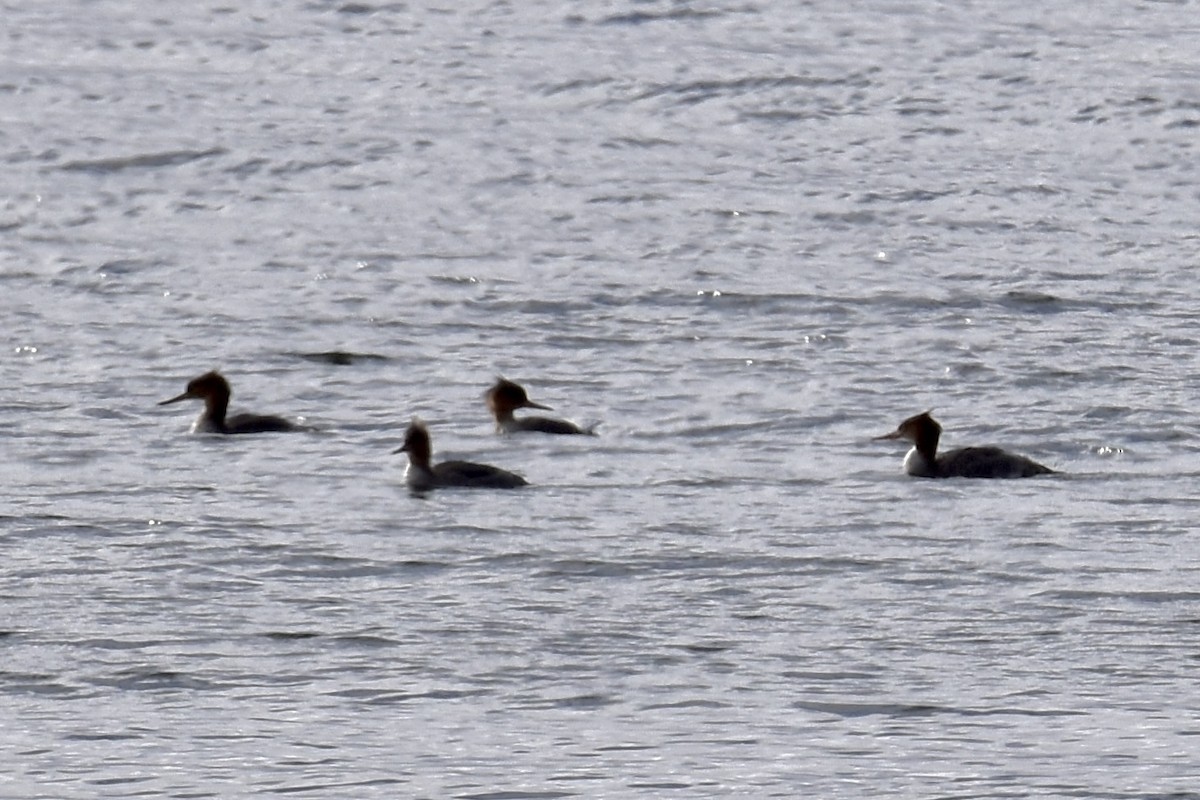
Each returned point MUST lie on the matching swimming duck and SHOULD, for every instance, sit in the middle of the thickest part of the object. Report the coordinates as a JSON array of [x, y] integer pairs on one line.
[[423, 475], [214, 390], [507, 396], [922, 461]]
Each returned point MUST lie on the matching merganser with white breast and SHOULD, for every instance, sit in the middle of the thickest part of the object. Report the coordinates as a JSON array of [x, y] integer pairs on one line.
[[923, 431], [423, 475], [214, 390], [507, 396]]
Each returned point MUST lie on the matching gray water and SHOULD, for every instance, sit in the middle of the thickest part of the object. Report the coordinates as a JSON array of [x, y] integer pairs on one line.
[[744, 238]]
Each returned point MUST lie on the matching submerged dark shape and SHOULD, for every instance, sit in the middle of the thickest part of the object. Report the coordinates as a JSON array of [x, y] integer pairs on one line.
[[214, 390], [423, 475], [341, 358], [923, 461], [506, 396]]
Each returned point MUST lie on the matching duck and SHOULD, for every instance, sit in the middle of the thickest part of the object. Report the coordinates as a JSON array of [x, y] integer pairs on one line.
[[923, 461], [507, 396], [213, 389], [422, 474]]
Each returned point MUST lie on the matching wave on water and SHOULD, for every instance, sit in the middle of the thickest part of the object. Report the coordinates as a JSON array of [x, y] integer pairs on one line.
[[172, 158]]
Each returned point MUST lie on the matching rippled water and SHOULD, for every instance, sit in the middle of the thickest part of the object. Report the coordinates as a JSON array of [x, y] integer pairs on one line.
[[744, 239]]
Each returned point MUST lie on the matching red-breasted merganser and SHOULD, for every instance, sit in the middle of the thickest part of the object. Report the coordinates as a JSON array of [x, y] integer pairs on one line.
[[215, 392], [423, 475], [966, 462], [507, 396]]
